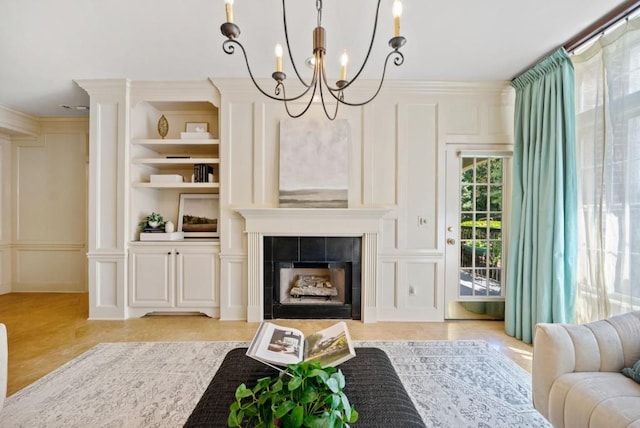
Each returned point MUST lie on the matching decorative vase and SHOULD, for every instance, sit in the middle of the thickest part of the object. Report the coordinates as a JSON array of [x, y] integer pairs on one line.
[[163, 126], [169, 227]]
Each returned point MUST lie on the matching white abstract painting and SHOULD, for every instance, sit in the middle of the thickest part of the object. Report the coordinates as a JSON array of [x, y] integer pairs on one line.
[[314, 163]]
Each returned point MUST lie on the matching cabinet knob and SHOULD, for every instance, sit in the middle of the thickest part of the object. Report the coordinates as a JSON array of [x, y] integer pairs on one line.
[[168, 253], [451, 241], [177, 253]]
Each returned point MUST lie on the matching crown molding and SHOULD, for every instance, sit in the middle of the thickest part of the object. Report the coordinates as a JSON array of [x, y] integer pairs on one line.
[[13, 122], [364, 88]]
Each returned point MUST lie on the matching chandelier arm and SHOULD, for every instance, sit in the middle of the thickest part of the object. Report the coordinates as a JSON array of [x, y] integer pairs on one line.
[[397, 61], [229, 48], [373, 37], [326, 83], [286, 105], [286, 38], [324, 106]]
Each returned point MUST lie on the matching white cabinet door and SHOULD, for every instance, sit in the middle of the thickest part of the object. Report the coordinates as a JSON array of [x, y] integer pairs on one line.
[[196, 277], [152, 277]]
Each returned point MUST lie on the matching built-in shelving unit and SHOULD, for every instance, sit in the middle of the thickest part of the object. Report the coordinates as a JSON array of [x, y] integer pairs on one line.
[[173, 275]]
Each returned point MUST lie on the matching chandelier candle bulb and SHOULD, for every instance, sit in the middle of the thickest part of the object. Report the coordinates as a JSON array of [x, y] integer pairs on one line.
[[279, 58], [397, 12], [344, 60], [228, 5]]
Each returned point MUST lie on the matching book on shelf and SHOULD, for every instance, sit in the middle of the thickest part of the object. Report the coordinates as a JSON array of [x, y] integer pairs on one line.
[[278, 346], [201, 173], [148, 229]]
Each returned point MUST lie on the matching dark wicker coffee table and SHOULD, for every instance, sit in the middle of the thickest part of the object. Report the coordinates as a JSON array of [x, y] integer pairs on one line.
[[373, 387]]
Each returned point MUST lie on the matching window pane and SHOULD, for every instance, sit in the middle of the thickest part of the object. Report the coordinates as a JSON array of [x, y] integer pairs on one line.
[[466, 198], [482, 167], [481, 198], [496, 170], [495, 198]]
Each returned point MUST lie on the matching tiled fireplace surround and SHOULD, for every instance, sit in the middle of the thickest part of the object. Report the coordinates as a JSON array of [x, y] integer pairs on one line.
[[365, 223], [343, 252]]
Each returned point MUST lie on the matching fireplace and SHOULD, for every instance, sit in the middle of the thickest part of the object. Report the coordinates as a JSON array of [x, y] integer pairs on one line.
[[312, 277], [293, 226]]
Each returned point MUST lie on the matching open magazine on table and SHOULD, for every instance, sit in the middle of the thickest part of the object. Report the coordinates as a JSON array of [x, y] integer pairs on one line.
[[276, 345]]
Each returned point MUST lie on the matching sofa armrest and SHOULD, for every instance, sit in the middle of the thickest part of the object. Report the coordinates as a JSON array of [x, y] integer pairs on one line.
[[553, 356], [4, 361], [606, 345]]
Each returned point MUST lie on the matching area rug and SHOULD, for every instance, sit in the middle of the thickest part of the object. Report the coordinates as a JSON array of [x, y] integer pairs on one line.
[[153, 384]]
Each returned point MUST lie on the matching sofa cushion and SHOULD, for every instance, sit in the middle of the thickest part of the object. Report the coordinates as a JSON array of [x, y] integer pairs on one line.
[[633, 372], [580, 399]]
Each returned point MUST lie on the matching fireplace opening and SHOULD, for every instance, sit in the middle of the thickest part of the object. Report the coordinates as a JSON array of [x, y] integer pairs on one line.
[[313, 283], [312, 277]]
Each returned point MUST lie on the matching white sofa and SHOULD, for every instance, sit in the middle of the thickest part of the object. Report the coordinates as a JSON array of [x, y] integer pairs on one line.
[[576, 373], [4, 358]]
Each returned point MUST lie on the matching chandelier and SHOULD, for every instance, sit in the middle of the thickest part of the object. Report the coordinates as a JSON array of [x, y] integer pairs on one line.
[[319, 85]]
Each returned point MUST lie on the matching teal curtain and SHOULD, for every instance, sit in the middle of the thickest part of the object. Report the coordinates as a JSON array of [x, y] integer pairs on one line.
[[541, 271]]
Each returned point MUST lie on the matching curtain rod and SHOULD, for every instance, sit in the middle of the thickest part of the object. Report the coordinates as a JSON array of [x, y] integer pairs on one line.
[[622, 11]]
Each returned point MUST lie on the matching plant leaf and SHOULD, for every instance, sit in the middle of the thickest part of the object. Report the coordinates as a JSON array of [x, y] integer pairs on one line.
[[243, 392], [340, 377], [323, 421], [346, 407], [318, 373], [262, 383], [264, 397], [232, 420], [309, 395], [277, 386], [296, 416], [335, 401], [294, 383], [354, 416], [332, 383], [284, 408]]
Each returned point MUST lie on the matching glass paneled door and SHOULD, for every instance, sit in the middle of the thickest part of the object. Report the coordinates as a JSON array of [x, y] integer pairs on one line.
[[475, 235]]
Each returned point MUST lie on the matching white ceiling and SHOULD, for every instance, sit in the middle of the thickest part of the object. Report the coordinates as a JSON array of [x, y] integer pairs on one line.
[[46, 44]]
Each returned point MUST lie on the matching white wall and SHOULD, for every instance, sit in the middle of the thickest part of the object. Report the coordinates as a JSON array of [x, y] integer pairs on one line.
[[43, 203], [48, 208], [5, 214], [397, 159]]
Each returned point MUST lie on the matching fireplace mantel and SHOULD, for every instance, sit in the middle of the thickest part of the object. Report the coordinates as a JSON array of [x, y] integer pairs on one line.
[[260, 222], [311, 221]]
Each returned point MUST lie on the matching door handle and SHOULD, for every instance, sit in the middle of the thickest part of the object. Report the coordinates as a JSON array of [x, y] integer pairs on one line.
[[451, 241]]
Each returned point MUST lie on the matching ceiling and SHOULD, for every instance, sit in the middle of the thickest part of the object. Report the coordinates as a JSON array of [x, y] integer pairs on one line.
[[46, 44]]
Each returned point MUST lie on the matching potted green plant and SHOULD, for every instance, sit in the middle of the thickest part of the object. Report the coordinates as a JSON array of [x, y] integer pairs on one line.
[[153, 220], [306, 395]]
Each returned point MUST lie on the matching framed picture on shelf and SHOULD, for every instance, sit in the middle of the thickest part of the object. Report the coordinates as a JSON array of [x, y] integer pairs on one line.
[[198, 215], [197, 127]]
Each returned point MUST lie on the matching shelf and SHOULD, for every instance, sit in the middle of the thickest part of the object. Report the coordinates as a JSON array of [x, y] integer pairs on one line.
[[207, 242], [175, 161], [177, 185], [178, 146]]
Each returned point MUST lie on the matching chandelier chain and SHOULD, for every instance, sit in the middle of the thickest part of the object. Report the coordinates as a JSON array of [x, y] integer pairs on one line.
[[319, 9]]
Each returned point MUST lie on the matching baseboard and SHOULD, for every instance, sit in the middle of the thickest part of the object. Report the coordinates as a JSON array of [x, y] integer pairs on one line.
[[48, 288]]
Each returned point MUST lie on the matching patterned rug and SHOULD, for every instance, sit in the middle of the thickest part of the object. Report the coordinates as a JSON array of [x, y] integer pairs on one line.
[[152, 384]]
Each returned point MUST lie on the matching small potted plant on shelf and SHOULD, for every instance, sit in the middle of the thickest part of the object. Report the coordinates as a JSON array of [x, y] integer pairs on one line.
[[306, 395], [152, 221]]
